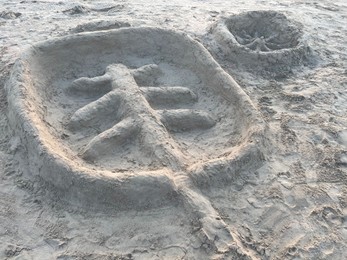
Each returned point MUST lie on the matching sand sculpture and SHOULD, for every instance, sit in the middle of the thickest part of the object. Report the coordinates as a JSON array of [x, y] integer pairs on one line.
[[262, 41], [134, 118]]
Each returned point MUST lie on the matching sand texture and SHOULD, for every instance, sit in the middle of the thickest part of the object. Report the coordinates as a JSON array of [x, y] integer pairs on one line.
[[173, 130]]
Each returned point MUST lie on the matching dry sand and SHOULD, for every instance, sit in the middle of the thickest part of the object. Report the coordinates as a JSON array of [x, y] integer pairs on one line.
[[288, 203]]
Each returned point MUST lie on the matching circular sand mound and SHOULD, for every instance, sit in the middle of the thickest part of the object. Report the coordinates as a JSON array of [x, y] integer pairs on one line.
[[126, 118], [262, 41]]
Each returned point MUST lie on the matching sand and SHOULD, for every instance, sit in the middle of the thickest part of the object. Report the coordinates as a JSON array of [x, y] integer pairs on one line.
[[184, 167]]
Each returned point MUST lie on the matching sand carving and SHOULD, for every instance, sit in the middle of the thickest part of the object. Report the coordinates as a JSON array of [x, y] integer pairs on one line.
[[262, 40], [135, 118]]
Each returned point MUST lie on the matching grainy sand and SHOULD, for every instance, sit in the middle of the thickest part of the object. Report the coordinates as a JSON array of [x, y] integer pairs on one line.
[[292, 207]]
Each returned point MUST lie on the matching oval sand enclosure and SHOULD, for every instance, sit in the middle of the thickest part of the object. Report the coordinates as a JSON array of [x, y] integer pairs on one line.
[[262, 41], [135, 118], [129, 118]]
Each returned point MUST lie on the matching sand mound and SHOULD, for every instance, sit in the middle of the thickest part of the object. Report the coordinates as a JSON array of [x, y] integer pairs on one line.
[[262, 41], [99, 25]]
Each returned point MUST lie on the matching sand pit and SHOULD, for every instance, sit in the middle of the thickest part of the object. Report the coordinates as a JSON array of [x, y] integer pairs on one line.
[[127, 119], [266, 42]]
